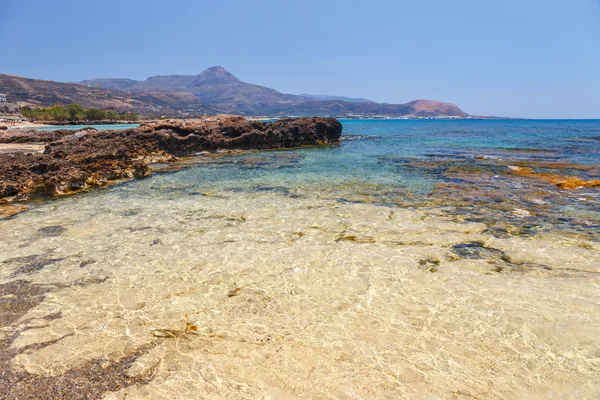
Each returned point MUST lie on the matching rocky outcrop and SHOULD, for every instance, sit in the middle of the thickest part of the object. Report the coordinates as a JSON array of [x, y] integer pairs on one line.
[[87, 158], [9, 108]]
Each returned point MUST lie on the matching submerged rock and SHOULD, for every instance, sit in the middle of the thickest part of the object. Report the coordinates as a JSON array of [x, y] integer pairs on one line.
[[477, 250], [74, 161], [561, 181]]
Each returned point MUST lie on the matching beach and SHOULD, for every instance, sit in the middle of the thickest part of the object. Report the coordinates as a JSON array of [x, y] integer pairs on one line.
[[26, 125], [375, 268]]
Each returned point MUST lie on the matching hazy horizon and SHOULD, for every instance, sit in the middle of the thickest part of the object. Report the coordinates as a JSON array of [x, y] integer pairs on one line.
[[534, 60]]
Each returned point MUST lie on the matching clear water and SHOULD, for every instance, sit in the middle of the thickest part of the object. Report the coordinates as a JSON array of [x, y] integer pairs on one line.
[[369, 149], [405, 262], [76, 127], [396, 161]]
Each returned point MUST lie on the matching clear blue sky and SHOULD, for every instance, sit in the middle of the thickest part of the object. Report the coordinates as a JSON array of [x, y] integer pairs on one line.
[[528, 58]]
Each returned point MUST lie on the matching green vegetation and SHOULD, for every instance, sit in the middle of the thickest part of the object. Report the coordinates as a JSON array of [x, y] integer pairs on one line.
[[75, 112]]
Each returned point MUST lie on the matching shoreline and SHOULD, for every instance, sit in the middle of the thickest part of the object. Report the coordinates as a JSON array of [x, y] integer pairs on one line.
[[25, 125], [254, 287], [88, 158], [322, 273]]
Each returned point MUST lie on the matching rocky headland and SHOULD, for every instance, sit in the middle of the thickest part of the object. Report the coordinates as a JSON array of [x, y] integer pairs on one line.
[[72, 161]]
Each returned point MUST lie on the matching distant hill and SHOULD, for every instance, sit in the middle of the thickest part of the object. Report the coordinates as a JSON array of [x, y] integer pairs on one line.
[[324, 97], [113, 84], [43, 93], [213, 91], [221, 89]]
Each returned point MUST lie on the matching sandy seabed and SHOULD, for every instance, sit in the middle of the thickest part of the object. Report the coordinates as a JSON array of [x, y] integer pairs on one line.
[[258, 295]]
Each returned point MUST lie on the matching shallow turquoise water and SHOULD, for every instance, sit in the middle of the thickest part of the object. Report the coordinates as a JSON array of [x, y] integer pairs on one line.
[[98, 127], [375, 151], [462, 166], [403, 163], [408, 245]]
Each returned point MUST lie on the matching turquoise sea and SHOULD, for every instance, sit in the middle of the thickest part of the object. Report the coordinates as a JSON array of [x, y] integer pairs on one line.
[[374, 151], [414, 259], [77, 127], [418, 164], [462, 165]]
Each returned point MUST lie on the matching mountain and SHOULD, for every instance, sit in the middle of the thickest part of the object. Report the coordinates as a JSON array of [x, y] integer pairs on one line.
[[113, 84], [34, 92], [213, 91], [340, 98], [215, 86], [221, 89]]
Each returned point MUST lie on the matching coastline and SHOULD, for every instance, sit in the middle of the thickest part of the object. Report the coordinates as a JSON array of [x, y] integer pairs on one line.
[[264, 294], [365, 269], [73, 161], [26, 124]]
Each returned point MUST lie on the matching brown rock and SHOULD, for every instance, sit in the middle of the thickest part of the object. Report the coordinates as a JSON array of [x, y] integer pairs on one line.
[[73, 161], [561, 181]]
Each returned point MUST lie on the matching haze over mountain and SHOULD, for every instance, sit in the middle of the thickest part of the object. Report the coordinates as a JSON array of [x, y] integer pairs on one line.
[[219, 88], [214, 90], [340, 98], [41, 93]]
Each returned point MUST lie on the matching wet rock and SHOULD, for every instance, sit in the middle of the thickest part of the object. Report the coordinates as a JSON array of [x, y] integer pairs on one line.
[[561, 181], [8, 211], [354, 238], [77, 136], [17, 298], [429, 265], [131, 212], [85, 263], [477, 250], [89, 380], [50, 231], [519, 212], [32, 263], [89, 158]]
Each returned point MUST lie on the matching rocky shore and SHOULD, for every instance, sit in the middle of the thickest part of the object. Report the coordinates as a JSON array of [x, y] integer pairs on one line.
[[72, 161]]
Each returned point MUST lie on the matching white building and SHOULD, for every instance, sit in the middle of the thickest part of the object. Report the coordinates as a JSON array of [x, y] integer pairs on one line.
[[2, 98]]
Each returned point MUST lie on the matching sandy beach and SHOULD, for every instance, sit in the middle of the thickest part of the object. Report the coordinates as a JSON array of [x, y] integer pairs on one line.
[[259, 296], [357, 270], [26, 124]]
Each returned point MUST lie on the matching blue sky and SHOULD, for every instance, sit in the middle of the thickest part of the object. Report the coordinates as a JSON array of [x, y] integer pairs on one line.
[[524, 58]]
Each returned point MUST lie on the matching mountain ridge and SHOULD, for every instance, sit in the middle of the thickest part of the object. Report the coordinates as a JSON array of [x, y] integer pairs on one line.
[[214, 90], [324, 97]]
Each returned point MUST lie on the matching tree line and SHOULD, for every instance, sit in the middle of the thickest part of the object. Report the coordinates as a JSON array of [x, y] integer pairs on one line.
[[75, 112]]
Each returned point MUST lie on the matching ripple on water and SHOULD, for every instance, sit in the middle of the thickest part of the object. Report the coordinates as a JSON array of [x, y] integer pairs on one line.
[[309, 273]]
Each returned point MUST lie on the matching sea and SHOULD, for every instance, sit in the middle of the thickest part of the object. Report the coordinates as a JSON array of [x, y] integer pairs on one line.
[[414, 259], [78, 127]]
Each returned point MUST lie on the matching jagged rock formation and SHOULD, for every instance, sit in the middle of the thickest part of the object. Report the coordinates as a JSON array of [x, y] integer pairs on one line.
[[88, 158]]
